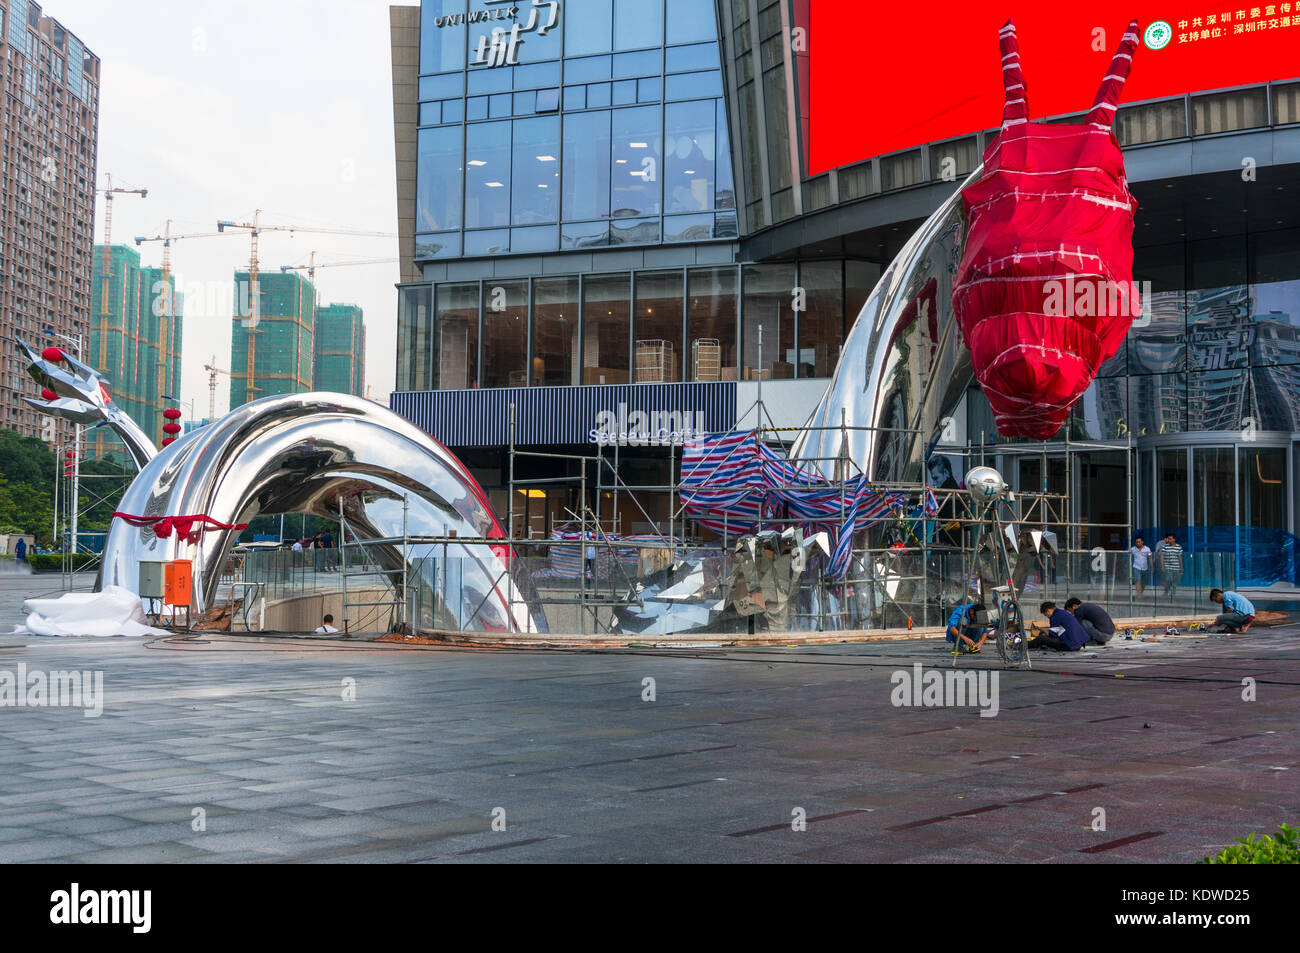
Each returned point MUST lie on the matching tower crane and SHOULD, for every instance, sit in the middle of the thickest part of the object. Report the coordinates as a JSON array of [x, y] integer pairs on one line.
[[255, 228], [167, 318], [213, 371], [106, 264], [311, 265]]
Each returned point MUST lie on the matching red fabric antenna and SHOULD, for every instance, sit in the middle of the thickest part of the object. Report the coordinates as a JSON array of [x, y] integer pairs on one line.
[[1044, 293]]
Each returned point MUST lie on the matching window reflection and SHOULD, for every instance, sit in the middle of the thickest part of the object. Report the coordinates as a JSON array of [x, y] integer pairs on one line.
[[588, 26], [689, 21], [711, 325], [768, 291], [690, 150], [821, 323], [413, 321], [441, 48], [638, 24], [586, 169], [505, 333], [536, 171], [555, 331], [487, 174], [457, 350], [637, 155], [1157, 404], [606, 325], [439, 175], [657, 349]]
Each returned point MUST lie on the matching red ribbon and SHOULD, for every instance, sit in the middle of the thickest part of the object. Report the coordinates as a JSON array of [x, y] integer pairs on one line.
[[163, 525]]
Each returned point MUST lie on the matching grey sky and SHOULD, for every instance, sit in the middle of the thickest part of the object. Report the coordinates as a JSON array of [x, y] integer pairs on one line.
[[219, 108]]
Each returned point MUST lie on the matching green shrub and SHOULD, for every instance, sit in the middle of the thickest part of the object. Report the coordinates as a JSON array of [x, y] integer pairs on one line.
[[1284, 848], [53, 562]]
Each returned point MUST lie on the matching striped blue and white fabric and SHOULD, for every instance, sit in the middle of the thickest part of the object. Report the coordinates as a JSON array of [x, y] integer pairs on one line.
[[731, 482]]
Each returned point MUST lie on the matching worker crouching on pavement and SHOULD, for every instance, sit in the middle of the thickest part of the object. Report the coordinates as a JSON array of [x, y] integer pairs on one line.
[[968, 627]]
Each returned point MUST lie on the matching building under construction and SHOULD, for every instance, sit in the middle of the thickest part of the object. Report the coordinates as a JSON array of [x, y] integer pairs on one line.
[[281, 345], [339, 359]]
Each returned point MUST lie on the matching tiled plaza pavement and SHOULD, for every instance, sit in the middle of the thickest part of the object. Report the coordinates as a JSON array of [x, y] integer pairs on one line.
[[259, 736]]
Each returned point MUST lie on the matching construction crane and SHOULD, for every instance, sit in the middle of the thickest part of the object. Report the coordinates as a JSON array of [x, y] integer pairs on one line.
[[213, 371], [164, 387], [107, 261], [255, 228], [311, 265]]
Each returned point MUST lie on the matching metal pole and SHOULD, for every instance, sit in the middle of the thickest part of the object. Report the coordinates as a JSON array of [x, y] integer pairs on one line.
[[343, 568], [76, 487], [510, 484], [406, 557], [1128, 535], [582, 529]]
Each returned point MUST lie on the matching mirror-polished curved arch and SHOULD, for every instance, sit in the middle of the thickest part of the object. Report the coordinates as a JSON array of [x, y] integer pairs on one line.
[[304, 453]]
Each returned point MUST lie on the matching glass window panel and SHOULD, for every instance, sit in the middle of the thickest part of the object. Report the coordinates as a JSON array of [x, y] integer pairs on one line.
[[637, 156], [725, 195], [701, 56], [1261, 495], [453, 110], [444, 245], [440, 87], [860, 278], [586, 171], [588, 26], [533, 238], [711, 324], [598, 94], [1224, 112], [491, 241], [505, 333], [584, 234], [536, 171], [688, 21], [688, 228], [430, 114], [1213, 476], [1218, 400], [1157, 404], [693, 85], [724, 225], [535, 46], [690, 150], [1158, 342], [768, 299], [634, 231], [575, 97], [657, 346], [638, 24], [1274, 257], [1276, 397], [644, 63], [649, 90], [548, 100], [625, 92], [500, 106], [821, 323], [606, 328], [457, 351], [584, 71], [525, 103], [442, 48], [413, 333], [438, 179], [537, 75], [555, 331], [487, 175], [476, 108], [1102, 412], [1219, 328], [1171, 489], [489, 80]]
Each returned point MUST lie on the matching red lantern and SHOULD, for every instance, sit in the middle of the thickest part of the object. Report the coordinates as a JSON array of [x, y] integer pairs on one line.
[[47, 394], [69, 454], [167, 440], [172, 413], [52, 354], [172, 428]]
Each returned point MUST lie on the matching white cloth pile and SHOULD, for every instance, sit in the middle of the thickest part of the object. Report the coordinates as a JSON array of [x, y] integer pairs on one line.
[[114, 611]]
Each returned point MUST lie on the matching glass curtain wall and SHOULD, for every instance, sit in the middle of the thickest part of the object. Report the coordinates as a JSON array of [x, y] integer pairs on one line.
[[505, 333], [711, 324], [769, 296], [657, 326], [457, 329], [555, 331], [606, 328]]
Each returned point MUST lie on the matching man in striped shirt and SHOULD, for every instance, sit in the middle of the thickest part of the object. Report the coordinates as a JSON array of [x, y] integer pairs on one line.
[[1169, 557]]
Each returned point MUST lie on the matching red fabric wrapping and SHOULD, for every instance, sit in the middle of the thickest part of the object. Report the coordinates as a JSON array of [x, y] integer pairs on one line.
[[1043, 293], [164, 525]]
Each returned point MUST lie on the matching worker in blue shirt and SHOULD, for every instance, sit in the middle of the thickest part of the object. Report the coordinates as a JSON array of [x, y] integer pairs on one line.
[[1064, 633], [1240, 613], [966, 635]]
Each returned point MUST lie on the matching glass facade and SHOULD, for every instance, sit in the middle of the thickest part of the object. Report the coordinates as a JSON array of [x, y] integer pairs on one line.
[[607, 128], [659, 325]]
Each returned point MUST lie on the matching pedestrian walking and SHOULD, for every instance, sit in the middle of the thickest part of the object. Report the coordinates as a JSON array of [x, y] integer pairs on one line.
[[1169, 557], [1140, 558]]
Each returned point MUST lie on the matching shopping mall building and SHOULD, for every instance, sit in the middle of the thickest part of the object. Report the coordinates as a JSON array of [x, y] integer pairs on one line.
[[602, 201]]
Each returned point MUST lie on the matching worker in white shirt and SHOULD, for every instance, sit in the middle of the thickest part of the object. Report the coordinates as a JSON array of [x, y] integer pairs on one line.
[[328, 626]]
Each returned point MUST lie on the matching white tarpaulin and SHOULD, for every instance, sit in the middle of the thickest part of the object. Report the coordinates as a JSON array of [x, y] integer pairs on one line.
[[114, 611]]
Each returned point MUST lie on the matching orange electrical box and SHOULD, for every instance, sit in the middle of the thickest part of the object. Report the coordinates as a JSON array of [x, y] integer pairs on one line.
[[177, 579]]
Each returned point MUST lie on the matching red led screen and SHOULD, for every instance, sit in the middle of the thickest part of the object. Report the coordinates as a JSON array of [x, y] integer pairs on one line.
[[889, 77]]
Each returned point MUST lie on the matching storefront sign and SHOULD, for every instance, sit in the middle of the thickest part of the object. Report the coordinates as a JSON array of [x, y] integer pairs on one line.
[[500, 45]]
